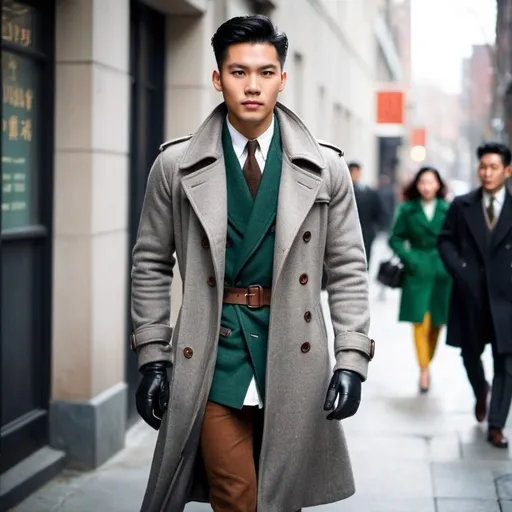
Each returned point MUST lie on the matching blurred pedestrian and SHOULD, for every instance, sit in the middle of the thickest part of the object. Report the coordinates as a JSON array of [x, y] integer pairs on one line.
[[250, 206], [387, 195], [426, 287], [372, 215], [476, 246]]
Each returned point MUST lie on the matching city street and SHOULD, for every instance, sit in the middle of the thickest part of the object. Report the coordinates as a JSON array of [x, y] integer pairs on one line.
[[410, 453]]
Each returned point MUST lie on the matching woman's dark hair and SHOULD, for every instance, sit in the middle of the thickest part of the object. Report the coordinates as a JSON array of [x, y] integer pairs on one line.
[[411, 192], [495, 148], [248, 29]]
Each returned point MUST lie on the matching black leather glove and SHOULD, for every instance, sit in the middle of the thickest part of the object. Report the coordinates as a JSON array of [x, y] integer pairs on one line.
[[152, 395], [345, 385]]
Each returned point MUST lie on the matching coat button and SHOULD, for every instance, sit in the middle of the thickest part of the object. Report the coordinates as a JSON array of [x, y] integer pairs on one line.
[[303, 279], [305, 347], [306, 236], [308, 316], [211, 281], [205, 244], [188, 352]]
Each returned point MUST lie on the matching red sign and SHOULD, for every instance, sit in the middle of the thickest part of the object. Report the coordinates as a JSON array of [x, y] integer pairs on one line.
[[390, 107], [418, 137]]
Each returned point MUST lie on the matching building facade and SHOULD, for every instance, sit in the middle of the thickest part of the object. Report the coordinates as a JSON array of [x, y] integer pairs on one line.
[[91, 89]]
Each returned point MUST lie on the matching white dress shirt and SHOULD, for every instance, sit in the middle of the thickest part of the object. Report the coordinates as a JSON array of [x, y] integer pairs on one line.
[[429, 208], [239, 145], [499, 200]]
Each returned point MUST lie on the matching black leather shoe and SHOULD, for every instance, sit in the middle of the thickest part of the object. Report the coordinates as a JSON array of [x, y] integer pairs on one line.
[[496, 438]]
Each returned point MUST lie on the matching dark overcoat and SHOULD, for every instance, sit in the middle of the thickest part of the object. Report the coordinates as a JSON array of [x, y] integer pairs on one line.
[[480, 263]]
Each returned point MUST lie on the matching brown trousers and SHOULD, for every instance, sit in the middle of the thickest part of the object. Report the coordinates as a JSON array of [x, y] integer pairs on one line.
[[230, 443]]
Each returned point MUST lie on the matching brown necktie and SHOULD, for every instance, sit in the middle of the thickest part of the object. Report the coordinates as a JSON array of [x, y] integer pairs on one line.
[[490, 210], [252, 171]]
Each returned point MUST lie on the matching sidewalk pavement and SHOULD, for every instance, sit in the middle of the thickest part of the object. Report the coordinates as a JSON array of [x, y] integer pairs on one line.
[[410, 452]]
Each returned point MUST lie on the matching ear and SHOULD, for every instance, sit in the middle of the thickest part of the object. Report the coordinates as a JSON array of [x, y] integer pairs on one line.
[[508, 171], [283, 81], [217, 83]]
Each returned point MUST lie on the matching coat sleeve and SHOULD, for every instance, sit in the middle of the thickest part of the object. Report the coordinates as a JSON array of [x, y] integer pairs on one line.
[[347, 286], [152, 271], [447, 242], [398, 239]]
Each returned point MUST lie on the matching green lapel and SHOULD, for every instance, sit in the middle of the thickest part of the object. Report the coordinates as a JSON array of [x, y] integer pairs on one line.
[[265, 203], [432, 225], [240, 202]]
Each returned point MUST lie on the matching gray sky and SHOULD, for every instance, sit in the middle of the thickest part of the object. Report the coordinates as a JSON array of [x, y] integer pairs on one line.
[[442, 34]]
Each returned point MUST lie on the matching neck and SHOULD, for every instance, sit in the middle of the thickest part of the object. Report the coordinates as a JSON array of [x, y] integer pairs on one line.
[[495, 191], [251, 130]]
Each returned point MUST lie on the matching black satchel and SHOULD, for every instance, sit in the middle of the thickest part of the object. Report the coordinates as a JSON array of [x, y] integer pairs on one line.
[[391, 273]]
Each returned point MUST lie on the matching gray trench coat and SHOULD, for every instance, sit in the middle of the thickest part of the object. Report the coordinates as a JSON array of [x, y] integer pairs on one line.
[[304, 458]]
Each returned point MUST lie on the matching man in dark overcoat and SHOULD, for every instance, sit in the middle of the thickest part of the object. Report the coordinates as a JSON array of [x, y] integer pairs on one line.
[[370, 208], [476, 247], [250, 207]]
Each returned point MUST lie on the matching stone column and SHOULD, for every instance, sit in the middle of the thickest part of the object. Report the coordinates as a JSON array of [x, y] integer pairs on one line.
[[88, 409]]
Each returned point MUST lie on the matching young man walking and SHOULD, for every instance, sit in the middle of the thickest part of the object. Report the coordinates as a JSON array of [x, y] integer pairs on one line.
[[476, 247], [251, 205]]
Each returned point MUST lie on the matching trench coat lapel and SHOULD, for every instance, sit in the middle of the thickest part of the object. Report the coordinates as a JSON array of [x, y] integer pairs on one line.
[[504, 223], [299, 187], [205, 185], [264, 207], [475, 219]]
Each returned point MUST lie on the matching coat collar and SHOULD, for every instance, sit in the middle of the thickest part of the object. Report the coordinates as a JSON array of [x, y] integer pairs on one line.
[[476, 219], [297, 141]]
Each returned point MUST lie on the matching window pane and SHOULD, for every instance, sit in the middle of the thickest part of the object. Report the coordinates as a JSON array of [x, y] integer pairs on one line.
[[20, 140], [20, 25]]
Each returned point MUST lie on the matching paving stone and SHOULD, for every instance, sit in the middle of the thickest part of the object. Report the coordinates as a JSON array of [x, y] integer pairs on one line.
[[463, 480], [454, 505], [396, 447], [444, 448], [392, 478], [360, 503], [504, 486], [506, 506]]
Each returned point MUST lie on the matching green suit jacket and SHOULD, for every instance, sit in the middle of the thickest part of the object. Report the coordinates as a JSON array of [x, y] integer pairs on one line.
[[427, 285], [242, 349]]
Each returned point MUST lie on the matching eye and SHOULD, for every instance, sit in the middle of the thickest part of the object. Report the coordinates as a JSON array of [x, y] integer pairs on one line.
[[268, 73], [238, 72]]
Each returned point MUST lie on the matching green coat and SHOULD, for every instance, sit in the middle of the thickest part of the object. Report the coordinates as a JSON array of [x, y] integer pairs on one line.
[[242, 349], [427, 285]]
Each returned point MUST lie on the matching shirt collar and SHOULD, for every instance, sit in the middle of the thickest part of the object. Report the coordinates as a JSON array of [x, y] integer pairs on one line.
[[499, 197], [240, 141]]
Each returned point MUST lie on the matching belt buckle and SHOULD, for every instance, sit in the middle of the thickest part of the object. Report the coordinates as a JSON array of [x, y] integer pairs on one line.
[[259, 294]]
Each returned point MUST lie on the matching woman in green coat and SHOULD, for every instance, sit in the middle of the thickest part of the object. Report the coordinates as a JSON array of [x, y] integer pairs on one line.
[[427, 286]]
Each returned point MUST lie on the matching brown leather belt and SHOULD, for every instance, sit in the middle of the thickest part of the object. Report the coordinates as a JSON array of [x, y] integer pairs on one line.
[[253, 297]]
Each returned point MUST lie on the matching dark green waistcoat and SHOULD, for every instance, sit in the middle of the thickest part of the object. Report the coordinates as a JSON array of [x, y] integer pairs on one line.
[[242, 351]]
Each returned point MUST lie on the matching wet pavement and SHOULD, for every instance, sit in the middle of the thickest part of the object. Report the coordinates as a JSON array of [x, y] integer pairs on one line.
[[410, 452]]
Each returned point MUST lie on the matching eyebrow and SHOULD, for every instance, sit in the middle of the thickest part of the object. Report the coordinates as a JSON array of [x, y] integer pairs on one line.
[[261, 68]]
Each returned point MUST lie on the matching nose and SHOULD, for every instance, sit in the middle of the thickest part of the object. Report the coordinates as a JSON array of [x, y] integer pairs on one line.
[[252, 86]]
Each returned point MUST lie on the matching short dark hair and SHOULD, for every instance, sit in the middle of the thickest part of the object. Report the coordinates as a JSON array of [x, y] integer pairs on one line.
[[495, 148], [411, 191], [248, 29], [354, 165]]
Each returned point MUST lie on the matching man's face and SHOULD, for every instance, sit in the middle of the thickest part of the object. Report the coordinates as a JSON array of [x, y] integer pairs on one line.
[[355, 173], [250, 81], [492, 172]]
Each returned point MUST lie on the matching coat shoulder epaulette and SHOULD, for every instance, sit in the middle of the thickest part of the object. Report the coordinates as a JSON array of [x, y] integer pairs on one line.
[[172, 142], [332, 146]]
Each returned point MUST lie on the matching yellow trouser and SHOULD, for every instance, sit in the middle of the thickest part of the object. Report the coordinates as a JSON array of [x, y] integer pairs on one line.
[[425, 337]]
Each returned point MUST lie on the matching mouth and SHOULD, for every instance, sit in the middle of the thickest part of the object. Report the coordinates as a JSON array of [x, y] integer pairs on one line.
[[252, 104]]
